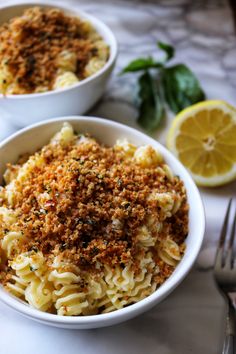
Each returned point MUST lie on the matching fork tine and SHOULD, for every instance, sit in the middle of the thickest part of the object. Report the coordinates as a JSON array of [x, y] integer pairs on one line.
[[232, 235], [229, 256], [225, 225], [224, 275], [220, 249]]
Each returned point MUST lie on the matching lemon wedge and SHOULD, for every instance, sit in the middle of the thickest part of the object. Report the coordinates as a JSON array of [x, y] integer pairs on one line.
[[203, 138]]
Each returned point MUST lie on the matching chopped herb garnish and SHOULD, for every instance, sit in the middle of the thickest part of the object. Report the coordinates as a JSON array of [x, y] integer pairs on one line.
[[119, 182], [34, 248], [91, 222], [127, 205], [94, 251], [63, 246], [100, 176], [33, 269]]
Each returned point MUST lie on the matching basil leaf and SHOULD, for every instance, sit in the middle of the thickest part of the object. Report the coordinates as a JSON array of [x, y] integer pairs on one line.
[[141, 64], [181, 87], [168, 49], [151, 109]]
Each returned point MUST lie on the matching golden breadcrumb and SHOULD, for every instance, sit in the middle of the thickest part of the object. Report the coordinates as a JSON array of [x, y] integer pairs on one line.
[[31, 43], [85, 202]]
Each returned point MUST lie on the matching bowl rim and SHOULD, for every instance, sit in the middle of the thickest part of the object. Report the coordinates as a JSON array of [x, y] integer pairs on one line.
[[113, 44], [164, 290]]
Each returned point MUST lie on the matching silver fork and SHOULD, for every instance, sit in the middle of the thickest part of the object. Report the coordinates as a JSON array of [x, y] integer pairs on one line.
[[225, 277]]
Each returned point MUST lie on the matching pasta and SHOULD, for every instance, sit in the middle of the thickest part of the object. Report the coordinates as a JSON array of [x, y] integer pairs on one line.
[[7, 215], [65, 136], [67, 61], [58, 51], [39, 294], [29, 266], [144, 237], [66, 79], [94, 65], [69, 300], [11, 242], [6, 77], [88, 229], [123, 145], [17, 286], [147, 156], [169, 252]]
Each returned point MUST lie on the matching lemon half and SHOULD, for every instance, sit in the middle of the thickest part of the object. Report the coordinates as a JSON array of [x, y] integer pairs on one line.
[[203, 138]]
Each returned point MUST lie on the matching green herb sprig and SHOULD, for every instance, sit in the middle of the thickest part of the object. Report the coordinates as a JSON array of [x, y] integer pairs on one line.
[[176, 85]]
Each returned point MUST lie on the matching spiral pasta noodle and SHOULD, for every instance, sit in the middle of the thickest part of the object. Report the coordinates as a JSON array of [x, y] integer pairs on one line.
[[11, 243], [88, 229]]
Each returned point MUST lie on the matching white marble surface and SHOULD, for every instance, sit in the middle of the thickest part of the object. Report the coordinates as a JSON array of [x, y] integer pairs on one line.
[[190, 320]]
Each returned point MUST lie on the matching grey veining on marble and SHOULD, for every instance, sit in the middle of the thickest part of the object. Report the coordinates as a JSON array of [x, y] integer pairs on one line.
[[190, 320]]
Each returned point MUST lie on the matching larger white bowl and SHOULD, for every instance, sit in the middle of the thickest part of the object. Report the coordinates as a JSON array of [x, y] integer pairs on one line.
[[34, 137], [30, 108]]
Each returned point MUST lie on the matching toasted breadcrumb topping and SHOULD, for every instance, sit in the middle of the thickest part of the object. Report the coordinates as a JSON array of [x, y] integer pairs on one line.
[[30, 45], [85, 202]]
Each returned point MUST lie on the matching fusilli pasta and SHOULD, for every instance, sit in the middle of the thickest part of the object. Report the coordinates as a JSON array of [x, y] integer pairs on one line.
[[86, 229]]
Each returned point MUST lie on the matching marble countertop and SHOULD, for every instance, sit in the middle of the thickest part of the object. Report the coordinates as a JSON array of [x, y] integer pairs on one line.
[[191, 319]]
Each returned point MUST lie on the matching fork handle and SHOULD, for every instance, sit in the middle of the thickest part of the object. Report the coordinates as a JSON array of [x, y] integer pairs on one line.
[[228, 345], [230, 331]]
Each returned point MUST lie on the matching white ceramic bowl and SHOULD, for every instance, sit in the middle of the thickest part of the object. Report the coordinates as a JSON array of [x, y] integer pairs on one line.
[[34, 137], [30, 108]]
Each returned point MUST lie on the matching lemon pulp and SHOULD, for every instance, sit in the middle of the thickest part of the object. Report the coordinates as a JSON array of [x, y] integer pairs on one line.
[[203, 137]]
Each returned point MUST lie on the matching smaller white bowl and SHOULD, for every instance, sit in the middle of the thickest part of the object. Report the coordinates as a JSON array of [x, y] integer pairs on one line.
[[32, 138], [27, 109]]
